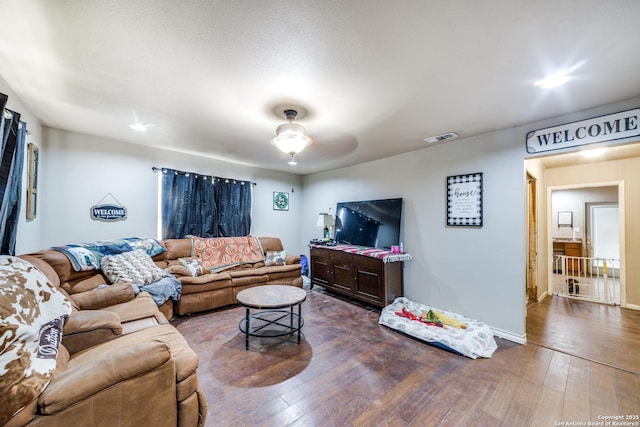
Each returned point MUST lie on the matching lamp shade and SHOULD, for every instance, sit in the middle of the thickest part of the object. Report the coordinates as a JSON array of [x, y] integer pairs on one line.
[[291, 138], [326, 220]]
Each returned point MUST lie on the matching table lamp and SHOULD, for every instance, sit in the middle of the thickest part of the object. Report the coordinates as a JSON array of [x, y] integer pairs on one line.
[[327, 221]]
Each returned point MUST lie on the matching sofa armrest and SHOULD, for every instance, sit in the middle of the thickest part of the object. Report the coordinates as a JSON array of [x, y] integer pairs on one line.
[[104, 297], [292, 259], [100, 373], [87, 328]]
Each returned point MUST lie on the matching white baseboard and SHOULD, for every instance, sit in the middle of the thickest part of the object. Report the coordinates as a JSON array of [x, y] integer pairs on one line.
[[543, 296], [633, 306], [518, 339]]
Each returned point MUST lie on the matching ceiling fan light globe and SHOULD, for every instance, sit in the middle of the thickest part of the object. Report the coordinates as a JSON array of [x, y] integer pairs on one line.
[[291, 143]]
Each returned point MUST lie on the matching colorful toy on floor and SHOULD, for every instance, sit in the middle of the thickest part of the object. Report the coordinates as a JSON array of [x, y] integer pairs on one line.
[[428, 318], [449, 321]]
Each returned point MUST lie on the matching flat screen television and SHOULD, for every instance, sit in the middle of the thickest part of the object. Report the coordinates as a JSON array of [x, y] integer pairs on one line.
[[372, 223]]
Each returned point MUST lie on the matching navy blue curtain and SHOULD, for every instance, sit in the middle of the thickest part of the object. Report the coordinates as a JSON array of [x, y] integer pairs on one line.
[[188, 205], [204, 206], [13, 133], [233, 200]]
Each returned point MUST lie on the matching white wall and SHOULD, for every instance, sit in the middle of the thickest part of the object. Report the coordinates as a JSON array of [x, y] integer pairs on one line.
[[477, 272], [28, 231], [79, 170]]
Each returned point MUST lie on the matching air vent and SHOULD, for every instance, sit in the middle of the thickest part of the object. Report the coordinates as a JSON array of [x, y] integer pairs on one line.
[[443, 137]]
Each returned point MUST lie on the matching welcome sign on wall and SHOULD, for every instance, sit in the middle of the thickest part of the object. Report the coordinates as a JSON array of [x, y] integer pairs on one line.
[[108, 212], [613, 127]]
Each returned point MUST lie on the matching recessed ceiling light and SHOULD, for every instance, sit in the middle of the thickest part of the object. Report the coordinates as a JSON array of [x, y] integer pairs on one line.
[[554, 80], [139, 127], [594, 152]]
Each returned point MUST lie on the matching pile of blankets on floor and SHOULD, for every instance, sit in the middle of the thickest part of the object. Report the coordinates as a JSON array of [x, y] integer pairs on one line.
[[446, 330]]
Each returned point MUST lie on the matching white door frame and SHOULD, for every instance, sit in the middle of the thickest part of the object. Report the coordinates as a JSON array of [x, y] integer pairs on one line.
[[621, 218]]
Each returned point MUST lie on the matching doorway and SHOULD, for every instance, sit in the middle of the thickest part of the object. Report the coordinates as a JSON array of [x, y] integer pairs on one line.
[[585, 230]]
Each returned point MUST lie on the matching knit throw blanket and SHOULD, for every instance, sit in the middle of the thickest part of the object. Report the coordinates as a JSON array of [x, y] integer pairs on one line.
[[219, 253], [384, 255]]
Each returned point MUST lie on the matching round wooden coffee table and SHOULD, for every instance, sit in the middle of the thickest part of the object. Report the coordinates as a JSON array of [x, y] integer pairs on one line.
[[276, 304]]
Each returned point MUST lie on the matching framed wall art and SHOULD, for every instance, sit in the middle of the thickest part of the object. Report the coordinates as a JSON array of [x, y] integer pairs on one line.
[[464, 200], [32, 181], [565, 219], [280, 201]]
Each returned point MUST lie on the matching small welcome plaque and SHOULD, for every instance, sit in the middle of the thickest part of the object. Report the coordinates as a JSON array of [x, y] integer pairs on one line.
[[108, 212]]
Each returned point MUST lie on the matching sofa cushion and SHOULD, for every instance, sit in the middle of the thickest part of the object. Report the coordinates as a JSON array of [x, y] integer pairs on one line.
[[104, 297], [271, 243], [105, 369], [141, 307], [178, 248], [32, 315], [135, 267], [185, 359]]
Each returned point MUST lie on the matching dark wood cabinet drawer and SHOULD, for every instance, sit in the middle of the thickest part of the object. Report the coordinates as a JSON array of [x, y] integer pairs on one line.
[[340, 257], [363, 278], [368, 262]]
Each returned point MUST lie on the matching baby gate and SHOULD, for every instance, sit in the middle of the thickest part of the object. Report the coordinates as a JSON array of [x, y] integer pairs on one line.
[[595, 279]]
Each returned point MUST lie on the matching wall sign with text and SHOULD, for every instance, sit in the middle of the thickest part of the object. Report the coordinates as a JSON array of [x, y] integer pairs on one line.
[[464, 200], [108, 212], [613, 127], [280, 201]]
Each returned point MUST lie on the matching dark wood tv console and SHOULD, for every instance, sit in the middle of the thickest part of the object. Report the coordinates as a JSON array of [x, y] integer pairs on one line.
[[360, 277]]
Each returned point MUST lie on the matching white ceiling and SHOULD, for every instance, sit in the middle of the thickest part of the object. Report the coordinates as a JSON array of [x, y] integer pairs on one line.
[[371, 78]]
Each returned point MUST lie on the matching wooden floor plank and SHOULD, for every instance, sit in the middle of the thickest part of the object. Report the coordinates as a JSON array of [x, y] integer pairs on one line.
[[349, 370], [577, 394], [627, 391], [604, 399]]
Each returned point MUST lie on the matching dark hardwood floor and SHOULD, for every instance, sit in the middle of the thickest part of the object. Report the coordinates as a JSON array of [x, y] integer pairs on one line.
[[603, 333], [349, 370]]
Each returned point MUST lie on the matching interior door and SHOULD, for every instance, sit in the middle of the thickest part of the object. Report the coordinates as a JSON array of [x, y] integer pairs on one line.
[[604, 232]]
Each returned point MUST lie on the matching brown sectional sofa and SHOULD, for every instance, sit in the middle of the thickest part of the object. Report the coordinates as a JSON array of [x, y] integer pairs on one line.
[[201, 293], [118, 349]]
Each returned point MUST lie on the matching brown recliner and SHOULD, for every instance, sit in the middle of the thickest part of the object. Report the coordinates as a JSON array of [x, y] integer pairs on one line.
[[120, 363]]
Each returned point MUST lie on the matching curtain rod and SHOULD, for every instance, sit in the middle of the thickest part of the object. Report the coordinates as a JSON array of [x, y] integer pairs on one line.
[[7, 114], [155, 169]]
